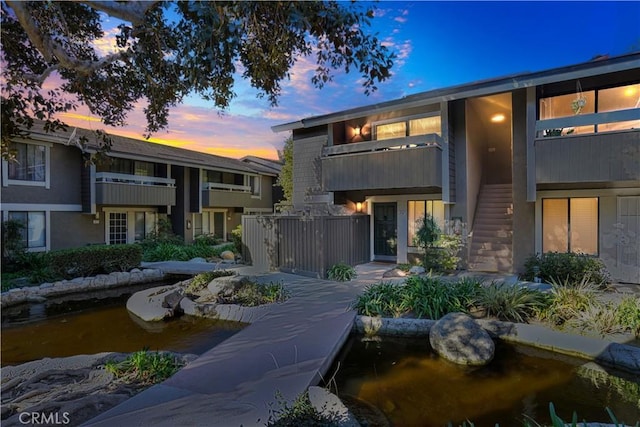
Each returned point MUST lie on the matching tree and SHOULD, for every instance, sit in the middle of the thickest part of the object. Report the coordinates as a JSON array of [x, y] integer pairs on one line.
[[285, 178], [168, 50]]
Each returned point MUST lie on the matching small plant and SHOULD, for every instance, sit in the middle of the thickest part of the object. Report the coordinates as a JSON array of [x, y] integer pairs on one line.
[[449, 247], [381, 299], [206, 240], [236, 238], [251, 294], [300, 413], [341, 272], [600, 318], [627, 314], [200, 281], [145, 367], [512, 302], [568, 301]]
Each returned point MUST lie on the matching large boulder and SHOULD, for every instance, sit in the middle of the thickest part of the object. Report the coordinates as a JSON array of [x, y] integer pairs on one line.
[[152, 304], [226, 286], [460, 339], [228, 256]]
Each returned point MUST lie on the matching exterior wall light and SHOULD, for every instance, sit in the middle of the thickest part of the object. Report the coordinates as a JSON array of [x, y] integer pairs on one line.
[[359, 207], [498, 118], [357, 130]]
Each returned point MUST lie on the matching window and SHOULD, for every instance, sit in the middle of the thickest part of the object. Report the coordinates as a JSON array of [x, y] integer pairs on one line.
[[128, 167], [254, 183], [29, 164], [117, 228], [593, 101], [213, 176], [414, 126], [34, 228], [416, 210], [145, 224], [210, 222], [570, 225]]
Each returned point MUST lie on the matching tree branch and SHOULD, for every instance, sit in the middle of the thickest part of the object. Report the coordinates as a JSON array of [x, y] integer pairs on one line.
[[131, 11]]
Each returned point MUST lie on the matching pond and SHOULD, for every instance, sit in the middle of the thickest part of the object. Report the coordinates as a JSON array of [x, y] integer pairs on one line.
[[411, 386], [100, 322]]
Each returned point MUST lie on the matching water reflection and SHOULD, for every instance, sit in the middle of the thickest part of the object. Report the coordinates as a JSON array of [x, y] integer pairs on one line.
[[92, 326]]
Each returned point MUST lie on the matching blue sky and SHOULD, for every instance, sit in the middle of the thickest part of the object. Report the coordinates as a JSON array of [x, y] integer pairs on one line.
[[438, 44]]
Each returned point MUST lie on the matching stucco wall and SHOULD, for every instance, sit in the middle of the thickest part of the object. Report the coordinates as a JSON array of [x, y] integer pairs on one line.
[[74, 229]]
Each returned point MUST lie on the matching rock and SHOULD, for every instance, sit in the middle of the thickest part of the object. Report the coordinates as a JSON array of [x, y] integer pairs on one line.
[[148, 304], [226, 286], [172, 302], [228, 256], [197, 259], [460, 339], [416, 269], [394, 273], [329, 404]]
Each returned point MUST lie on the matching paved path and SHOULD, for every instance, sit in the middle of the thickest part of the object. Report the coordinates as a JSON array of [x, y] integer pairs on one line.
[[287, 350]]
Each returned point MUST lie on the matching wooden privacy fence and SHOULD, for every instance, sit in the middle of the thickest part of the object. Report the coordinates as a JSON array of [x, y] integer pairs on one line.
[[306, 245]]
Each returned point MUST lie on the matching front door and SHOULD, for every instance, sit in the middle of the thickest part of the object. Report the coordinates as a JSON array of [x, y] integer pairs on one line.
[[385, 230]]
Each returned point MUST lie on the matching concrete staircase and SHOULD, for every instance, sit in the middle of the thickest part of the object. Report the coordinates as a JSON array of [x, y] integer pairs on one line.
[[491, 242]]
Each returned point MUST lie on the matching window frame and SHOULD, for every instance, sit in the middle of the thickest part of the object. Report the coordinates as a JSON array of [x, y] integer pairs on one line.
[[568, 217], [406, 120], [45, 231], [410, 244], [47, 167]]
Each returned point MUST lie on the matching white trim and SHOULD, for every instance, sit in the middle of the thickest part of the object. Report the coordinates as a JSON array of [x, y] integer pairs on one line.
[[41, 207]]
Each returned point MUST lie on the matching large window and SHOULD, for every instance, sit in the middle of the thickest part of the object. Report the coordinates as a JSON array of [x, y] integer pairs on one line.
[[409, 127], [34, 228], [253, 182], [570, 225], [210, 222], [128, 167], [29, 163], [593, 101], [416, 210], [145, 224]]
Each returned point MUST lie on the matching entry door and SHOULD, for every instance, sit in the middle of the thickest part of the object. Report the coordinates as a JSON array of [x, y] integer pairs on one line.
[[218, 224], [385, 231]]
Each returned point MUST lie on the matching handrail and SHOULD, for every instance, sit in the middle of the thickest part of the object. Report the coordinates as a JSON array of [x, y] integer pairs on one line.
[[228, 187], [589, 119], [121, 178], [430, 140]]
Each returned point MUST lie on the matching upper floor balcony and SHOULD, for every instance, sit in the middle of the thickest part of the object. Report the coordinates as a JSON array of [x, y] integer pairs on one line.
[[406, 162], [218, 195], [589, 148], [134, 190]]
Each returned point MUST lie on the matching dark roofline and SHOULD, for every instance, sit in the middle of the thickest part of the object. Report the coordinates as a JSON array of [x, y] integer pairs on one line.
[[479, 88]]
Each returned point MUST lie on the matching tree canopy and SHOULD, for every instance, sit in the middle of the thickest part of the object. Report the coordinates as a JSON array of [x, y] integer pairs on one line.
[[168, 50]]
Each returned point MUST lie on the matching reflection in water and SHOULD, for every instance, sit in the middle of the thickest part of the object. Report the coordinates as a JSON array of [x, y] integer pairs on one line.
[[414, 387], [105, 325]]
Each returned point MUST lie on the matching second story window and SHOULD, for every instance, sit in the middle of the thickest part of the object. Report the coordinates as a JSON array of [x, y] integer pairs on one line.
[[410, 126], [30, 163]]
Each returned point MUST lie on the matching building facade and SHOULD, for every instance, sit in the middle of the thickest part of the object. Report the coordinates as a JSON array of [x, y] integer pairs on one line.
[[531, 163], [65, 201]]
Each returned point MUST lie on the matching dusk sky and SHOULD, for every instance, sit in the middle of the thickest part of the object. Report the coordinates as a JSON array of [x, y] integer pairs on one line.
[[438, 44]]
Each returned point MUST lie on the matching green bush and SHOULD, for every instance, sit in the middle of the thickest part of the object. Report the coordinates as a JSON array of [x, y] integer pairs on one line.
[[567, 301], [512, 302], [207, 240], [341, 272], [381, 299], [145, 367], [236, 238], [567, 267], [165, 252], [627, 314], [300, 413], [92, 260], [252, 294]]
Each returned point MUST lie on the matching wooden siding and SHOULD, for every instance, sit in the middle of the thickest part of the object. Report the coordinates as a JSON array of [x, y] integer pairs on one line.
[[589, 158], [231, 199], [109, 193], [403, 168], [305, 245]]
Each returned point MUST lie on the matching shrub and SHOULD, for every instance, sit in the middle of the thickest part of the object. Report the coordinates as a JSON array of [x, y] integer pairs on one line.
[[381, 299], [449, 247], [91, 260], [298, 414], [12, 244], [200, 281], [567, 268], [627, 314], [432, 298], [600, 318], [512, 302], [165, 252], [207, 240], [236, 238], [341, 272], [145, 367], [567, 301], [251, 294]]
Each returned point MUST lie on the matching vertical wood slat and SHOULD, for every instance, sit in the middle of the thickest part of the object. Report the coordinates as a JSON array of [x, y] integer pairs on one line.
[[305, 245]]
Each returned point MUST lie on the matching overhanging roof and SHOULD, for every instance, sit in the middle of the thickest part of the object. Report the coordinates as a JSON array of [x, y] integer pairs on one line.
[[502, 84]]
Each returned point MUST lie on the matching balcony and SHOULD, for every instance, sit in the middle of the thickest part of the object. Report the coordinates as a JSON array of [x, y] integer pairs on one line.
[[411, 162], [590, 157], [134, 190], [217, 195]]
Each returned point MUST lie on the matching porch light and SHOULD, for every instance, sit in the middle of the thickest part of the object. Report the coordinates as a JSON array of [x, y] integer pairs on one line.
[[498, 118], [359, 207], [357, 130]]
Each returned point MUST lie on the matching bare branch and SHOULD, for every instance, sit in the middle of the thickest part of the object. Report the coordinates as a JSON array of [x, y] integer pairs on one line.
[[131, 11]]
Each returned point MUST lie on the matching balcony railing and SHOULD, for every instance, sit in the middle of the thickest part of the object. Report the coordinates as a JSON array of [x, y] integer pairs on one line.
[[430, 140], [134, 179], [555, 127], [226, 187]]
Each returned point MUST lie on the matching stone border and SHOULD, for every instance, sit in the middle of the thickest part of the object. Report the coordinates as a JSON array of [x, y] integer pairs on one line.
[[617, 355], [40, 293]]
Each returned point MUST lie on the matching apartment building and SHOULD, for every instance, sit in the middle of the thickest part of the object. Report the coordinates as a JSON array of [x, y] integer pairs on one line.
[[65, 201], [524, 164]]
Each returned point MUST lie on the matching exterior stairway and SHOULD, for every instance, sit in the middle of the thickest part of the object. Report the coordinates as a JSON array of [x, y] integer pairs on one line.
[[491, 242]]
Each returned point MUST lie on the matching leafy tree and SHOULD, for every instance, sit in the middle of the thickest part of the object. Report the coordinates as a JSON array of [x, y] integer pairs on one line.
[[168, 50], [285, 179]]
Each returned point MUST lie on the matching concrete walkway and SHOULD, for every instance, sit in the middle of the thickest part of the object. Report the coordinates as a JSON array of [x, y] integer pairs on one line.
[[286, 351]]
